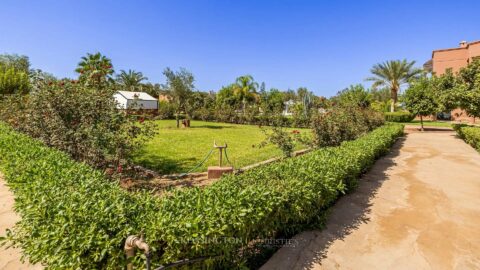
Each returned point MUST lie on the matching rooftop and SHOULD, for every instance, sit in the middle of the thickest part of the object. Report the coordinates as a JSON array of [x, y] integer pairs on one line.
[[136, 95]]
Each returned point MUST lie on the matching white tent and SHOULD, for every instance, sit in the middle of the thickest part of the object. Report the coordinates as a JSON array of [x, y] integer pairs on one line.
[[135, 100]]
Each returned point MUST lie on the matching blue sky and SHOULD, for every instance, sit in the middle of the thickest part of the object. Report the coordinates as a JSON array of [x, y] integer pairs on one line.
[[322, 45]]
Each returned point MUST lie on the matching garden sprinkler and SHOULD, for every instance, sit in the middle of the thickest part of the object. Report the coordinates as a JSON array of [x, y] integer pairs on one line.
[[220, 151]]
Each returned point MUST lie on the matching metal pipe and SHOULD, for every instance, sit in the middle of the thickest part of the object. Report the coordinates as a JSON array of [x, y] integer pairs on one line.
[[131, 244]]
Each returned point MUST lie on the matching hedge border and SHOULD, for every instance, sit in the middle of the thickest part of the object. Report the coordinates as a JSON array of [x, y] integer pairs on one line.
[[72, 217]]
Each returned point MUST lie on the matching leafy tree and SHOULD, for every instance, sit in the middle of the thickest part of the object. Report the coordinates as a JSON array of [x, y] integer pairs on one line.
[[131, 80], [245, 90], [180, 86], [445, 87], [354, 96], [18, 62], [95, 70], [393, 74], [420, 98], [468, 88]]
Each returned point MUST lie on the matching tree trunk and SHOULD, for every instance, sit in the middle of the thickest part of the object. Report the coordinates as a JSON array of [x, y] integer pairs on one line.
[[421, 122], [394, 99]]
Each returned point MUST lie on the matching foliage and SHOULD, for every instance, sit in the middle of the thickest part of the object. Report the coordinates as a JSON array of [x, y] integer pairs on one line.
[[20, 63], [342, 124], [166, 110], [470, 135], [393, 74], [245, 90], [420, 98], [180, 86], [281, 138], [446, 91], [399, 117], [95, 70], [355, 96], [131, 80], [468, 87], [72, 218], [80, 120], [13, 81]]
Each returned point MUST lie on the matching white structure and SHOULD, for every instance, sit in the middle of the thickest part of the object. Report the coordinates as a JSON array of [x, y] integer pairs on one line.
[[135, 100], [287, 111]]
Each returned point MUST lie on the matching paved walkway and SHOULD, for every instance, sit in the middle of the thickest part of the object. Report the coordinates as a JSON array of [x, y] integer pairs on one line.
[[9, 258], [418, 208]]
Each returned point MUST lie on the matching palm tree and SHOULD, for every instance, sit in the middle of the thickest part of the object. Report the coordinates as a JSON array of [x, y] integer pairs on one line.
[[244, 89], [393, 74], [131, 80], [94, 68]]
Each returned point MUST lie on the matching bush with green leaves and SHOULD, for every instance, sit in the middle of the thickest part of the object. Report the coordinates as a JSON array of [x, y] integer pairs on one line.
[[469, 134], [342, 124], [83, 121], [73, 219], [399, 117]]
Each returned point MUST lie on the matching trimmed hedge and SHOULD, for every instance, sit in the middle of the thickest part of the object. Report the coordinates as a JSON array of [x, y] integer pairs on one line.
[[72, 217], [469, 134], [399, 117]]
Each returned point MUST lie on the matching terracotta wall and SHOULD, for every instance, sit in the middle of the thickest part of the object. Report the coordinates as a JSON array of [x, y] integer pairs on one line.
[[455, 59]]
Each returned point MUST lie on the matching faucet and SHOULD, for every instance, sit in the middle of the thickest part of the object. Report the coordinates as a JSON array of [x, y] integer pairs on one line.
[[131, 244]]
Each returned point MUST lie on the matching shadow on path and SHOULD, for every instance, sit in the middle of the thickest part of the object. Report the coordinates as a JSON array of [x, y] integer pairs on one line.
[[346, 216]]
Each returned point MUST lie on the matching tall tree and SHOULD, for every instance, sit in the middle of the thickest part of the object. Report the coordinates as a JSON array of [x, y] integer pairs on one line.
[[131, 80], [393, 74], [468, 88], [180, 85], [95, 69], [420, 99], [245, 89]]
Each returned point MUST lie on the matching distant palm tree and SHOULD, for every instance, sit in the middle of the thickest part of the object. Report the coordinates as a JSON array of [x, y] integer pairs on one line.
[[245, 89], [393, 74], [131, 80], [94, 68]]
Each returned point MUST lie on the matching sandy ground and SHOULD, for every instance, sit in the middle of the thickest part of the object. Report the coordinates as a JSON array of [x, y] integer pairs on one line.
[[9, 258], [418, 208]]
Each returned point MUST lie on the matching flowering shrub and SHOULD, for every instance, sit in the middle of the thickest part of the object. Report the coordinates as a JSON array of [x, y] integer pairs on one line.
[[80, 120]]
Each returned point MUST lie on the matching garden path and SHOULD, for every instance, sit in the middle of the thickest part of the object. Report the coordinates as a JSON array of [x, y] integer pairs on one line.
[[9, 258], [418, 208]]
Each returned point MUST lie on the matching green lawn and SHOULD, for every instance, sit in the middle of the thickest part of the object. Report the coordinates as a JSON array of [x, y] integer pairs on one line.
[[431, 123], [177, 150]]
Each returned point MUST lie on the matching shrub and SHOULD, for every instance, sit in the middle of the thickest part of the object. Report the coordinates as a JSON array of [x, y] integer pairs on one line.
[[399, 117], [470, 135], [343, 124], [80, 120], [166, 110], [72, 218]]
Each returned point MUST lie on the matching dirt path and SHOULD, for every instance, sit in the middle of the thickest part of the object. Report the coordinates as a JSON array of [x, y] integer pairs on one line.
[[418, 208], [9, 258]]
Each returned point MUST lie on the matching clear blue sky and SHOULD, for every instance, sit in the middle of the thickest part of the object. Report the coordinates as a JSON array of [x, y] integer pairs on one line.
[[322, 45]]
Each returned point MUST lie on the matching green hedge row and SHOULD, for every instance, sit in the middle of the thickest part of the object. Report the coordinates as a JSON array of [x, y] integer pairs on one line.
[[399, 117], [469, 134], [72, 217]]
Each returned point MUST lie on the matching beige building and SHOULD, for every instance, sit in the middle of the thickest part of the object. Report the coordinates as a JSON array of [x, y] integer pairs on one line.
[[454, 59]]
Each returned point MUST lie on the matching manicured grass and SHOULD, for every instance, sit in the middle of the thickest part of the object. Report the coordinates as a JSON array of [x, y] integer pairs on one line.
[[177, 150], [430, 123]]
